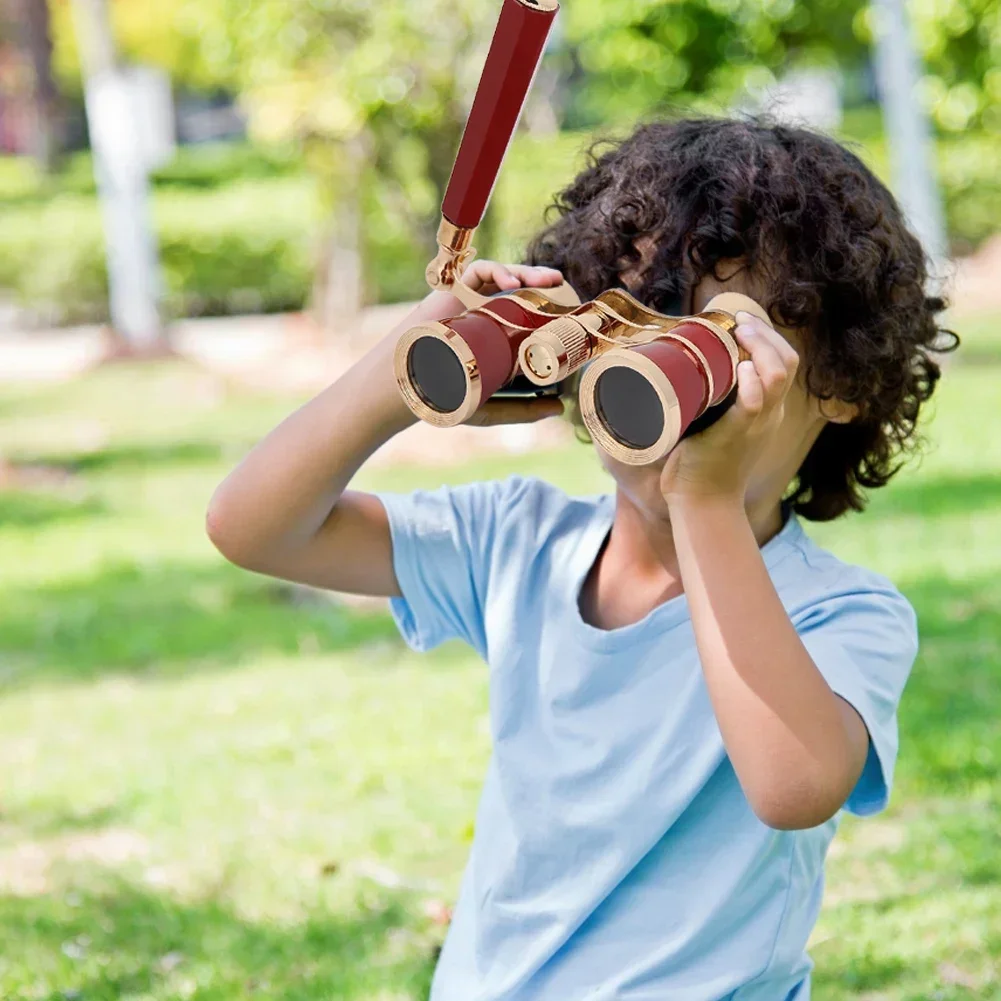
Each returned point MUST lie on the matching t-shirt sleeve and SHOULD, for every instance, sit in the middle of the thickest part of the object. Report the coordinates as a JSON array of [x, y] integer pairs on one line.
[[443, 542], [864, 642]]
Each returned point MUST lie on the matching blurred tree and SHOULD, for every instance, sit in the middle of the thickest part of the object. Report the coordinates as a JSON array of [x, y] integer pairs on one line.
[[960, 43], [637, 56], [123, 184], [640, 56], [33, 18], [376, 94], [379, 96], [187, 39]]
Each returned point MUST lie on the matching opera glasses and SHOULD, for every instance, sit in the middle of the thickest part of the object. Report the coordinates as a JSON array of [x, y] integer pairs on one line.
[[648, 379]]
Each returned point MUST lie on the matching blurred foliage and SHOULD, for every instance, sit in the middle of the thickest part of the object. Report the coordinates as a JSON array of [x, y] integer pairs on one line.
[[337, 66], [186, 39], [384, 84], [375, 97], [960, 41], [636, 57], [239, 226], [245, 247], [195, 168]]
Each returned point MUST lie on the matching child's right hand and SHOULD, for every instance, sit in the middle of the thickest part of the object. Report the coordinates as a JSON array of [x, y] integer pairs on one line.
[[489, 277]]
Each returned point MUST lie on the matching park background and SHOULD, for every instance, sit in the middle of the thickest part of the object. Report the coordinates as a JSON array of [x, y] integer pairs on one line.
[[214, 786]]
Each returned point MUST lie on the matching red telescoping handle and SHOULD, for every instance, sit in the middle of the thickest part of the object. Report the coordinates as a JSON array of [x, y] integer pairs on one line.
[[514, 56]]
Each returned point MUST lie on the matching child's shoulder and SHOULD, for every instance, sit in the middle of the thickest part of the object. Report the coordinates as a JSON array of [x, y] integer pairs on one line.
[[814, 576], [530, 505], [519, 497], [518, 492]]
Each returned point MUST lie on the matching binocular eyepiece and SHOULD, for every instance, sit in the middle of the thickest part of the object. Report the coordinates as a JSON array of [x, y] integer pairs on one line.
[[446, 370], [648, 379]]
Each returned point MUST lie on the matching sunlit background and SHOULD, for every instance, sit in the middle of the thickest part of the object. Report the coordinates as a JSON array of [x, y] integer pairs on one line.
[[216, 787]]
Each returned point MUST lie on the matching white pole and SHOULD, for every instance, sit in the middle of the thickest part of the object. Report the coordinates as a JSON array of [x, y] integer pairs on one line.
[[121, 173], [911, 152]]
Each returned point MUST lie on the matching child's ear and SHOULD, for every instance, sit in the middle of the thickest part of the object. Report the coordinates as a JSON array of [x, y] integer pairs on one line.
[[837, 411]]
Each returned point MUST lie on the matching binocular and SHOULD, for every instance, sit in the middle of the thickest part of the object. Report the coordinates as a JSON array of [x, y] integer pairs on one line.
[[646, 379]]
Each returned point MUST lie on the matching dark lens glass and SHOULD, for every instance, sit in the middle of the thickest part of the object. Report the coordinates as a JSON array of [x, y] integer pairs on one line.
[[629, 407], [437, 374]]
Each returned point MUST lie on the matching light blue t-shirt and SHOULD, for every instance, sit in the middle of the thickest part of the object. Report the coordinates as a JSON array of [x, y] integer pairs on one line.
[[615, 854]]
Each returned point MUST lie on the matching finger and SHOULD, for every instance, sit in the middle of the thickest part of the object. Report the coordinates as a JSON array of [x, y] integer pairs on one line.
[[788, 354], [503, 278], [750, 392], [484, 276], [478, 274], [537, 277], [767, 361], [514, 411]]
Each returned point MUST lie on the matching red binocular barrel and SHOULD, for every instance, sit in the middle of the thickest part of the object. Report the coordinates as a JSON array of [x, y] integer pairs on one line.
[[514, 56], [447, 369], [638, 402]]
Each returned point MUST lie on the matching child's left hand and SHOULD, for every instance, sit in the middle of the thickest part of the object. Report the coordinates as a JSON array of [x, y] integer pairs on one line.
[[718, 461]]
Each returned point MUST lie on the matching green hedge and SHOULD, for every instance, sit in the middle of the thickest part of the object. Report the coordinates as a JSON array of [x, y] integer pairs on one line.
[[248, 247]]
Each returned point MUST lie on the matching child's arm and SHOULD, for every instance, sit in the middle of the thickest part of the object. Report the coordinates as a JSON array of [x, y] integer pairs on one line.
[[285, 511], [797, 748]]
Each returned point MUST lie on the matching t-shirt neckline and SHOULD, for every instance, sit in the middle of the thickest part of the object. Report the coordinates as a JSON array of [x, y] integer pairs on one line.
[[664, 617]]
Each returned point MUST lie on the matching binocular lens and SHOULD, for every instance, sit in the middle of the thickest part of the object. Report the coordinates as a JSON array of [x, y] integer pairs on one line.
[[437, 374], [447, 369], [639, 402], [629, 407]]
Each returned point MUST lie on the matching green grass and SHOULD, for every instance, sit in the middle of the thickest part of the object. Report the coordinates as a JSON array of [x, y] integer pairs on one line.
[[209, 779]]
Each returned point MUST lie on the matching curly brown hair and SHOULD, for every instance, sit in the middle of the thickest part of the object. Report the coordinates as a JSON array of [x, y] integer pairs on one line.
[[814, 224]]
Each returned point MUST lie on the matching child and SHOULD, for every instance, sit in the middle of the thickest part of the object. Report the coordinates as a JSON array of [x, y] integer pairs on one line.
[[685, 690]]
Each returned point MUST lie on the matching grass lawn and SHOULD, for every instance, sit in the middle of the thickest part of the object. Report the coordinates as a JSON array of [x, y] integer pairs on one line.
[[214, 788]]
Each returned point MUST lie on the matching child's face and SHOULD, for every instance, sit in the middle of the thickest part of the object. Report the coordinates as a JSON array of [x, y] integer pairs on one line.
[[777, 465]]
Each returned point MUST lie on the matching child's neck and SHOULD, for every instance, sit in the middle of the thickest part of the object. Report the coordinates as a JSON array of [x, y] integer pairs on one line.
[[637, 568]]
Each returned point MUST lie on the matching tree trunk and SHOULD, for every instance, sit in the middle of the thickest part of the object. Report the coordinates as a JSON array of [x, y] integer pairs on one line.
[[339, 286], [898, 69], [134, 280], [46, 127]]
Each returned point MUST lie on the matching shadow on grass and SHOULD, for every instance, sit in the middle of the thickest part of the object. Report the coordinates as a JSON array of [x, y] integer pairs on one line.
[[41, 821], [945, 495], [129, 942], [36, 508], [864, 973], [127, 458], [169, 619]]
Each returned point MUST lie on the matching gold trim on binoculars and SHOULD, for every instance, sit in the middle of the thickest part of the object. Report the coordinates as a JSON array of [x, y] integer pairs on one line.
[[613, 319]]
